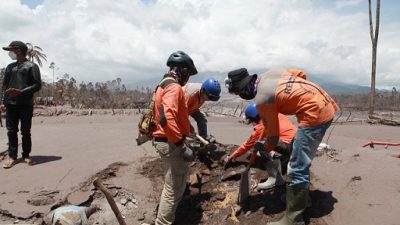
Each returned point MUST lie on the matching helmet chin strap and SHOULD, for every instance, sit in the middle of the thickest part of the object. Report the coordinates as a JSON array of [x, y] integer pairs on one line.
[[179, 75], [184, 79]]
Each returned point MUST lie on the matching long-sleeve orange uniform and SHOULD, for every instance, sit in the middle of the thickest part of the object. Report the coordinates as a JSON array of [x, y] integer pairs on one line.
[[286, 134], [288, 92], [171, 114]]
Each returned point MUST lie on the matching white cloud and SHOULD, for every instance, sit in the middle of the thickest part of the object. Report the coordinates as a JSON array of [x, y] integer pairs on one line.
[[97, 40], [346, 3]]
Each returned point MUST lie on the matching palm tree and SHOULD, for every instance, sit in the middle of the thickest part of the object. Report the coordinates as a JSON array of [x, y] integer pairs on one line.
[[35, 54]]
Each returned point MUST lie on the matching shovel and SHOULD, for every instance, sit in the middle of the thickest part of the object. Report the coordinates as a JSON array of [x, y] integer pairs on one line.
[[232, 174], [244, 180]]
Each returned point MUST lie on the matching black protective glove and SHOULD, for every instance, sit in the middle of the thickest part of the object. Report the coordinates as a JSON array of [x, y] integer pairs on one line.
[[259, 146], [211, 139]]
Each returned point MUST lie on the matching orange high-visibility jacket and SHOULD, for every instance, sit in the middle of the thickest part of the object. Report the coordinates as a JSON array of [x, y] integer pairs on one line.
[[171, 114], [286, 134], [288, 92], [192, 96]]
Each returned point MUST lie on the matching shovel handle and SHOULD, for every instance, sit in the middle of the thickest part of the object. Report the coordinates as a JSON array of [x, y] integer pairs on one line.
[[202, 140], [97, 183]]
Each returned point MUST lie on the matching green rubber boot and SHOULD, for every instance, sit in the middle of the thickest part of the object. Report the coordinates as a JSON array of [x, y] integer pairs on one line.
[[296, 203]]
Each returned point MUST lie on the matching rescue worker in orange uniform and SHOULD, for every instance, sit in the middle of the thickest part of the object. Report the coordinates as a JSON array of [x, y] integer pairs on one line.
[[274, 169], [172, 126], [287, 91], [196, 94]]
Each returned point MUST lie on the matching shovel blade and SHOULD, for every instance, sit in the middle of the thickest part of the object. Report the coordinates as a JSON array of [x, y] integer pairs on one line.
[[232, 175], [244, 187]]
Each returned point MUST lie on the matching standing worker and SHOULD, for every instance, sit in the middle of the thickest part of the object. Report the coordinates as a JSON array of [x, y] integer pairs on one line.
[[287, 91], [172, 126], [274, 169], [196, 94], [21, 81]]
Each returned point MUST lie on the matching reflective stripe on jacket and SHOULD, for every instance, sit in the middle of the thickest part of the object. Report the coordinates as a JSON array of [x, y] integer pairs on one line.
[[192, 96], [287, 91]]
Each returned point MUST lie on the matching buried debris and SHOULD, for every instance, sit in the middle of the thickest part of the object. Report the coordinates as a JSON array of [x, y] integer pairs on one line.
[[232, 216], [212, 193], [332, 153], [71, 215], [355, 178], [372, 144], [43, 198]]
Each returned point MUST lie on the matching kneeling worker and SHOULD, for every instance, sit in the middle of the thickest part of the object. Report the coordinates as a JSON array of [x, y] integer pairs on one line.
[[274, 169]]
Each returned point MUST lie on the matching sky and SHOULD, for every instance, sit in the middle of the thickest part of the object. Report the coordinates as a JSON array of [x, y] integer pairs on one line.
[[100, 40]]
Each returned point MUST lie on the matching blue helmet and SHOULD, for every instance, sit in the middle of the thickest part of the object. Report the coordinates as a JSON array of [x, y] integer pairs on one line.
[[251, 111], [212, 88]]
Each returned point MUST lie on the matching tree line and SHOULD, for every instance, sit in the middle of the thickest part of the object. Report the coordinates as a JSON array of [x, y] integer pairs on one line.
[[95, 95], [384, 101], [114, 94]]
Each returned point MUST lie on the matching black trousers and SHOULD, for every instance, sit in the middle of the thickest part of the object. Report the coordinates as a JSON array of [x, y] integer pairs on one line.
[[14, 115], [286, 150]]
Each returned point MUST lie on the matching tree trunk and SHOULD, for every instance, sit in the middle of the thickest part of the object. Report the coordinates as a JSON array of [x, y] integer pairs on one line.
[[374, 40], [373, 76]]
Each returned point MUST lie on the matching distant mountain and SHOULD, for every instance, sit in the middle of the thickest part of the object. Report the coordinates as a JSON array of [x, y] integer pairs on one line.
[[332, 87], [198, 78], [336, 87]]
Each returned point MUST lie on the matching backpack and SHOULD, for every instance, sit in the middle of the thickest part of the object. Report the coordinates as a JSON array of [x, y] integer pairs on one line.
[[147, 125]]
